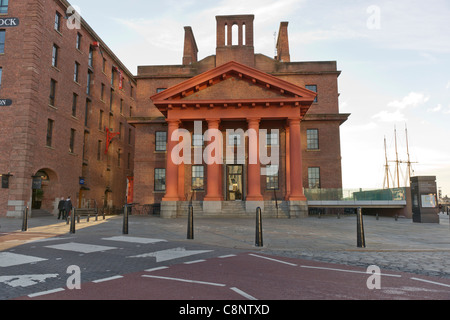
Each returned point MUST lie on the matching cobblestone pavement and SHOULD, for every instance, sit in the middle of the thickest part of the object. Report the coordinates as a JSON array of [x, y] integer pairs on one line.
[[396, 245]]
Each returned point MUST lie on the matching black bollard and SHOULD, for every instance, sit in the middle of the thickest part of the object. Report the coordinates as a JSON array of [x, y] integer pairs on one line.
[[125, 220], [72, 221], [361, 239], [190, 230], [25, 220], [259, 231]]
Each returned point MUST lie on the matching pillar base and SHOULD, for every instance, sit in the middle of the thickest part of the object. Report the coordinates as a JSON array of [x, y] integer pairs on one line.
[[169, 209], [298, 209]]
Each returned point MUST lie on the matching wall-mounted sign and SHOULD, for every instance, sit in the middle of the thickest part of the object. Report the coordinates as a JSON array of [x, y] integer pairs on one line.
[[5, 102], [9, 22]]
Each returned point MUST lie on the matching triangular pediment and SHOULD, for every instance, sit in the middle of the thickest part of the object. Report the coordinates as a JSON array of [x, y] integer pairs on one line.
[[233, 83]]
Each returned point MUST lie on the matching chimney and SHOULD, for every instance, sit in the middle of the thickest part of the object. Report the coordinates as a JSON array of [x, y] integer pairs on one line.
[[190, 47], [283, 44]]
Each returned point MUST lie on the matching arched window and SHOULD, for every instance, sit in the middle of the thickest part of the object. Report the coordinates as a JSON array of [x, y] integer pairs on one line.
[[226, 34], [235, 35]]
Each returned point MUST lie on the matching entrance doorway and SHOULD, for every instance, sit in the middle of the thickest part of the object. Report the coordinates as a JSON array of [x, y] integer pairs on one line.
[[235, 182]]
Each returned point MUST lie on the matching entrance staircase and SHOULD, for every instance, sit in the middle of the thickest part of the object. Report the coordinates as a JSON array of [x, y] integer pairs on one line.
[[235, 209]]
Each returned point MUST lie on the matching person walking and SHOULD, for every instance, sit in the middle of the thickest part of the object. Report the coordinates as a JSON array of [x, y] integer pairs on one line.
[[67, 207], [61, 208]]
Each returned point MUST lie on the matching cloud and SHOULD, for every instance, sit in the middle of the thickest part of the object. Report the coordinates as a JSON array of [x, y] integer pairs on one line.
[[414, 99], [448, 86], [387, 116], [435, 109]]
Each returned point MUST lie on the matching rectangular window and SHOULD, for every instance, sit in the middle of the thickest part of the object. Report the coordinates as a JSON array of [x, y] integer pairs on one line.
[[91, 57], [198, 177], [160, 179], [121, 106], [2, 41], [1, 73], [88, 85], [129, 136], [119, 157], [104, 65], [272, 177], [111, 96], [272, 139], [3, 6], [312, 139], [314, 89], [72, 141], [197, 140], [78, 43], [121, 131], [50, 124], [86, 113], [314, 178], [112, 76], [161, 141], [102, 93], [75, 72], [58, 22], [52, 95], [74, 104], [55, 56], [99, 150], [100, 121], [234, 139]]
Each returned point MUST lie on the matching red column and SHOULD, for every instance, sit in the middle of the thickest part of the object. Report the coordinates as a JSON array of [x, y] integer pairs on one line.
[[171, 168], [296, 161], [213, 171], [254, 169]]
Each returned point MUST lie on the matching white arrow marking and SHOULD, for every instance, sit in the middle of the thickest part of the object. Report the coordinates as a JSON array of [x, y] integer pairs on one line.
[[170, 254], [26, 280]]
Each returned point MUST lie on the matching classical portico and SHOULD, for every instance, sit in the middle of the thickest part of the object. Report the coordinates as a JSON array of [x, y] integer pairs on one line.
[[222, 97]]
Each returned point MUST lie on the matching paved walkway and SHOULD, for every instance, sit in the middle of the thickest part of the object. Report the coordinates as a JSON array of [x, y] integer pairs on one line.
[[397, 245]]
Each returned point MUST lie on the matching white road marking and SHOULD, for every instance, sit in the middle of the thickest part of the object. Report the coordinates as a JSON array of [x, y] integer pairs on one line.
[[279, 261], [193, 262], [8, 259], [26, 280], [242, 293], [432, 282], [43, 293], [156, 269], [351, 271], [80, 247], [227, 256], [170, 254], [134, 239], [186, 280], [107, 279]]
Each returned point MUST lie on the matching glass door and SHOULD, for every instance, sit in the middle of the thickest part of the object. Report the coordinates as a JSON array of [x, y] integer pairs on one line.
[[234, 182]]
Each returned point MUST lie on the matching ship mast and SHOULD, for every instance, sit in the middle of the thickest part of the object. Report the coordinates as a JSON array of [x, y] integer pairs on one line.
[[386, 166], [397, 162]]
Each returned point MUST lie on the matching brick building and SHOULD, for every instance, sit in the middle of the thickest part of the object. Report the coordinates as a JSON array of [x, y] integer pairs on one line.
[[239, 94], [62, 90]]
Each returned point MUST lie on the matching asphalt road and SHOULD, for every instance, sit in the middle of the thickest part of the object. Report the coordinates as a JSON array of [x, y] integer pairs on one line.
[[116, 267]]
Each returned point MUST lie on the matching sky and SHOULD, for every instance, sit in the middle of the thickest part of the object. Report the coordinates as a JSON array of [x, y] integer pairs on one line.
[[394, 57]]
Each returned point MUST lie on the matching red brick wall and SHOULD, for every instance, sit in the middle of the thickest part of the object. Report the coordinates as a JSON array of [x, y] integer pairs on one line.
[[26, 80]]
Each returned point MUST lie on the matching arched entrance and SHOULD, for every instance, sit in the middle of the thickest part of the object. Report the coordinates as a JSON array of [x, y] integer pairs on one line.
[[44, 190]]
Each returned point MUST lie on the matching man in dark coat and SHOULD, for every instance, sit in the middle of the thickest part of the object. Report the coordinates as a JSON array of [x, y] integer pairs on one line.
[[61, 208], [67, 207]]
